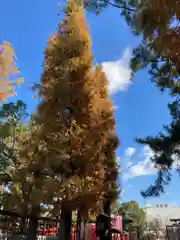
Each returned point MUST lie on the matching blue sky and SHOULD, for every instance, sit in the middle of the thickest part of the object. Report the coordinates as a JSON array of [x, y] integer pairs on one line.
[[141, 108]]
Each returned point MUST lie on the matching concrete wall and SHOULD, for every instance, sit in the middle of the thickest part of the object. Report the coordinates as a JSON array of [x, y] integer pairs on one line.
[[162, 212]]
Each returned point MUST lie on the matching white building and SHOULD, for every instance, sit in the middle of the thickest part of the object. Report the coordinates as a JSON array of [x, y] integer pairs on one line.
[[161, 214]]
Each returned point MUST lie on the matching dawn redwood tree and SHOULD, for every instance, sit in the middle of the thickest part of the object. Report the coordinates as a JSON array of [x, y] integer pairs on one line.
[[75, 99], [111, 192], [64, 159], [111, 144]]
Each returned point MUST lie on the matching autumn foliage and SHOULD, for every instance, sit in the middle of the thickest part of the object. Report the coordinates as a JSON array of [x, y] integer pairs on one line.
[[8, 71], [74, 97], [67, 159]]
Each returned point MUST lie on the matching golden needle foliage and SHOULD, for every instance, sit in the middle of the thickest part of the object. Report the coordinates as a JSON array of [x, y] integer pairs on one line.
[[63, 155]]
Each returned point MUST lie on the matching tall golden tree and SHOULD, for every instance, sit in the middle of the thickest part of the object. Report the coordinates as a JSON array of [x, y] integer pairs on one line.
[[73, 125], [109, 147], [75, 100]]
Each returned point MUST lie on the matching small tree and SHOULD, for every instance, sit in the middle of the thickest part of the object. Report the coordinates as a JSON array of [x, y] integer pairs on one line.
[[12, 116], [31, 184], [12, 126], [131, 210], [8, 71]]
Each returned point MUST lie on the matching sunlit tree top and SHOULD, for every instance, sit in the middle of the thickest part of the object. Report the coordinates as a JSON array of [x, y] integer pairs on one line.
[[9, 73]]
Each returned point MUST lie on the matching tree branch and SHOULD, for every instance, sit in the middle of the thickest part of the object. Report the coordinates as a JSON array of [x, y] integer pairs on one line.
[[6, 174], [117, 6]]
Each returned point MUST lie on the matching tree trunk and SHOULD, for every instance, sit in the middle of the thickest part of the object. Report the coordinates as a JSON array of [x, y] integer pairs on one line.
[[107, 207], [78, 226], [23, 227], [107, 211], [32, 229], [65, 224], [85, 237], [33, 223], [84, 217]]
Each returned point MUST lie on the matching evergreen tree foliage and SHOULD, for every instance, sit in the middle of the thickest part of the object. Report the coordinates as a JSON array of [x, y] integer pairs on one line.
[[11, 127], [159, 28], [132, 211], [166, 148], [12, 116], [157, 22], [159, 52]]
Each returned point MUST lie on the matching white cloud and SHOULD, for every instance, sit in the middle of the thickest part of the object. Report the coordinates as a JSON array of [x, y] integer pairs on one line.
[[115, 107], [129, 152], [118, 160], [122, 192], [119, 73], [129, 164], [144, 167], [176, 163]]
